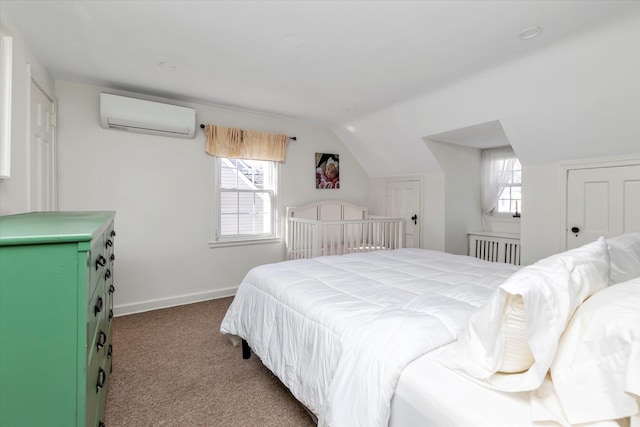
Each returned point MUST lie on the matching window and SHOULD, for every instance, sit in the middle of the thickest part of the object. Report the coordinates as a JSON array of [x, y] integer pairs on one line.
[[510, 199], [501, 182], [245, 201]]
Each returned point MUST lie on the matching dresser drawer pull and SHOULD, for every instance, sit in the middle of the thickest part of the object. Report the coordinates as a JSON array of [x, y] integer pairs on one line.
[[113, 233], [102, 340], [109, 243], [101, 424], [110, 315], [107, 274], [110, 360], [112, 257], [102, 377], [101, 262], [98, 308], [112, 289]]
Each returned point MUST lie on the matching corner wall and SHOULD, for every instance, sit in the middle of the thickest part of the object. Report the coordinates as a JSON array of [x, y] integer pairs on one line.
[[462, 212], [540, 229]]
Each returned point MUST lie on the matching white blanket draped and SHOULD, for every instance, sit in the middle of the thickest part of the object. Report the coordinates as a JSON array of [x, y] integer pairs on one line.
[[339, 330]]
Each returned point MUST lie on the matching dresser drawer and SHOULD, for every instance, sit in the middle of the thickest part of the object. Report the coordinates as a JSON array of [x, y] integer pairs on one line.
[[97, 377], [97, 264], [106, 367], [98, 374], [102, 401], [95, 316], [109, 290], [109, 242]]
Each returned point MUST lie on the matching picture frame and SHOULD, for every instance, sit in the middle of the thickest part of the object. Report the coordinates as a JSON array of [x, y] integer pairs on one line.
[[327, 167]]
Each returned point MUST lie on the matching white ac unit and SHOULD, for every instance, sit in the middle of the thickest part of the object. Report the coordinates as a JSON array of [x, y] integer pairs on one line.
[[142, 116]]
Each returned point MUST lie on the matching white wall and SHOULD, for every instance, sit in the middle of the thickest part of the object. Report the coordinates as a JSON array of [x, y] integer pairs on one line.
[[540, 230], [14, 191], [462, 203], [434, 215], [159, 187]]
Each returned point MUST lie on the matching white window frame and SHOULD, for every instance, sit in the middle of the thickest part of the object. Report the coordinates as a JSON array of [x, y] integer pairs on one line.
[[510, 215], [490, 158], [215, 239]]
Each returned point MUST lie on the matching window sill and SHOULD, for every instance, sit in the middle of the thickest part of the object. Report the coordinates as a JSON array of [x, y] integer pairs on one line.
[[244, 242], [504, 218]]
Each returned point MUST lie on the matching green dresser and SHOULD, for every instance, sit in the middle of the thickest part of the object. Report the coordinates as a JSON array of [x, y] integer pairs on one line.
[[56, 306]]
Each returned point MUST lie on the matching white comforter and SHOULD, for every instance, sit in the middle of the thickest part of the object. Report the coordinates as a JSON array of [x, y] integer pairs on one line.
[[339, 330]]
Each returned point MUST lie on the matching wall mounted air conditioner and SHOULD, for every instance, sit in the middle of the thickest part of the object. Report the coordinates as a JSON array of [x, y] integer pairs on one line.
[[142, 116]]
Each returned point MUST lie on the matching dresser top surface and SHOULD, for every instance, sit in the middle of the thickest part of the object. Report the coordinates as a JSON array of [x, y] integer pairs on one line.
[[52, 227]]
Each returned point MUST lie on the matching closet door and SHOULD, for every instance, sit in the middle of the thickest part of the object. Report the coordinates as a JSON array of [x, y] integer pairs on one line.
[[403, 201], [41, 151], [602, 202]]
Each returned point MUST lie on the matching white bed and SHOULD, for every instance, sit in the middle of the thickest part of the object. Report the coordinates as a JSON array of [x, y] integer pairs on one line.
[[326, 321], [363, 339]]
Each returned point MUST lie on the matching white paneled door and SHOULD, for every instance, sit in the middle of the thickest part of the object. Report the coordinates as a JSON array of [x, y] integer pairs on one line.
[[602, 202], [403, 201], [41, 151]]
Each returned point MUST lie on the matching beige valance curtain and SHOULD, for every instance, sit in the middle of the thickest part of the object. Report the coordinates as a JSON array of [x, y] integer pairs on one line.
[[245, 144]]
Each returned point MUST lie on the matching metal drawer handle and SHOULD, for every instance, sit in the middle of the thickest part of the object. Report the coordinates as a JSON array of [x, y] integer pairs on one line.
[[113, 233], [112, 289], [109, 243], [107, 274], [110, 315], [98, 308], [101, 262], [102, 377], [101, 424], [102, 340], [112, 257], [109, 354]]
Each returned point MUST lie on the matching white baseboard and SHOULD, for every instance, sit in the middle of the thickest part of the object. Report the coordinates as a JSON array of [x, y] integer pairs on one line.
[[139, 307]]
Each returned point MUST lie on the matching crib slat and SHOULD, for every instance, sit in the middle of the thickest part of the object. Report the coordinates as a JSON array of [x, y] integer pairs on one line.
[[310, 238]]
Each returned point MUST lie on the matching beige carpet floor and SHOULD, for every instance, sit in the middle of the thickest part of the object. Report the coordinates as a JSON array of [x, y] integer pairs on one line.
[[172, 367]]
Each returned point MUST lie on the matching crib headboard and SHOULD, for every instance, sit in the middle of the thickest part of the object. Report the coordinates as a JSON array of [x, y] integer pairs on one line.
[[328, 210]]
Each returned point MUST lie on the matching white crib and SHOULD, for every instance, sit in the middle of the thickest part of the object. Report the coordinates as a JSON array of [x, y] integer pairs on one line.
[[335, 227]]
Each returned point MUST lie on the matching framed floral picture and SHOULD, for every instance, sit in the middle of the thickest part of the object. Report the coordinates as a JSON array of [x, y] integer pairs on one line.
[[327, 171]]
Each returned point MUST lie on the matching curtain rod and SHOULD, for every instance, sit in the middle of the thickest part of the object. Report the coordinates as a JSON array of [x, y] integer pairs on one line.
[[291, 137]]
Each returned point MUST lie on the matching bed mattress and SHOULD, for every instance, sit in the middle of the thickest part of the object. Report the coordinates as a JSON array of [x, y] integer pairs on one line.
[[339, 330], [429, 394]]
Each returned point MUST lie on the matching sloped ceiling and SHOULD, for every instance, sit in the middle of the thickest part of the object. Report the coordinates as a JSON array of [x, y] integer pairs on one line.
[[480, 136], [382, 74]]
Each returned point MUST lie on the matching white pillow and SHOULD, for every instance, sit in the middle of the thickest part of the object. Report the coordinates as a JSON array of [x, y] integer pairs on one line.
[[516, 355], [597, 369], [624, 254], [492, 349]]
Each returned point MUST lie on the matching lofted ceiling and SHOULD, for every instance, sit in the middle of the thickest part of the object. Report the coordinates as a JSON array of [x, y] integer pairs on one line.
[[339, 64]]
